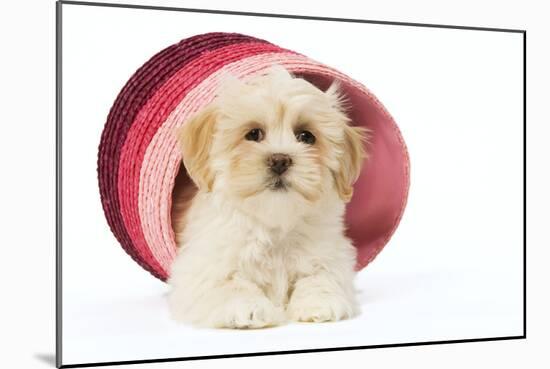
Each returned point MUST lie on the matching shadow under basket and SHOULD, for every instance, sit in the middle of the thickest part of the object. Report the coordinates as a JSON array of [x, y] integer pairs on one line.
[[138, 159]]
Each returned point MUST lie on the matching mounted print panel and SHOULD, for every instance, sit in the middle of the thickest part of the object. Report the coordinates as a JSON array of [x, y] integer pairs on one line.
[[236, 184]]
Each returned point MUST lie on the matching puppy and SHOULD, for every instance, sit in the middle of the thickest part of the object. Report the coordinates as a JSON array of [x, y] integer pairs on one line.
[[262, 241]]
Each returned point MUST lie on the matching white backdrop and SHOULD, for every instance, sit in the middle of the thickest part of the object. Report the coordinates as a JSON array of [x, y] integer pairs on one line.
[[453, 270]]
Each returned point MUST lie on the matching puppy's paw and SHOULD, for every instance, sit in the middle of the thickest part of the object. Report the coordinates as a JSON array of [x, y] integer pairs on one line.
[[243, 312], [320, 308]]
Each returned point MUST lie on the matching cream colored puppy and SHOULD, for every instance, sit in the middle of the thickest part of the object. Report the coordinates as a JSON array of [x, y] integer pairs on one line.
[[262, 241]]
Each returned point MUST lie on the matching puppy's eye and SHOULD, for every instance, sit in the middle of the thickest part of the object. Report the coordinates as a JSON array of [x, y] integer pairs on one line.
[[255, 134], [306, 137]]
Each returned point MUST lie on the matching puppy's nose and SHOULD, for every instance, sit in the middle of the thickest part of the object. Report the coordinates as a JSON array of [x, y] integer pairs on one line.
[[279, 163]]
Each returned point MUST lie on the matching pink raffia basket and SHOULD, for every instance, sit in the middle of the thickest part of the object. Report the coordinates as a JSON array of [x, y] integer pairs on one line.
[[138, 159]]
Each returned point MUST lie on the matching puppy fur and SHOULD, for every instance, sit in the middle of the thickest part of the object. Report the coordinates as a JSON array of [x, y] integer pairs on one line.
[[259, 248]]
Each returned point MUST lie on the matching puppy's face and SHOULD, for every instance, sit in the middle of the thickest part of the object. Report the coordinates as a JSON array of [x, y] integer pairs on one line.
[[273, 136]]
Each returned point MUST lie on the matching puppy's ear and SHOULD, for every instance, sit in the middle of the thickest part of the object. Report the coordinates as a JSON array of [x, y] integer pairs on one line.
[[351, 161], [195, 141], [352, 146]]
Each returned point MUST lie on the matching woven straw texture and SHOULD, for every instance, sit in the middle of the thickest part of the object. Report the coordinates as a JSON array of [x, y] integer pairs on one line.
[[138, 158]]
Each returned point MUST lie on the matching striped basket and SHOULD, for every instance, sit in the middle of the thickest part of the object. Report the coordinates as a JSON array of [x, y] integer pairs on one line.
[[138, 159]]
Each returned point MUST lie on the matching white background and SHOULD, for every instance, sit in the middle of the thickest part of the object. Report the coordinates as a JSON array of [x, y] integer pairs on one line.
[[30, 277]]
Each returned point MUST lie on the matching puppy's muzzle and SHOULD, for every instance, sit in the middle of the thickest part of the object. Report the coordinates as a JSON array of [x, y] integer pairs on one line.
[[279, 163]]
